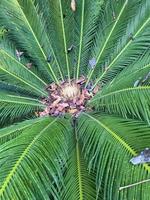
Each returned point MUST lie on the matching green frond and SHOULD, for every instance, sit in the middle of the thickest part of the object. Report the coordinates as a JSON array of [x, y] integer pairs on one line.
[[13, 131], [60, 2], [30, 162], [15, 89], [31, 36], [87, 19], [14, 107], [83, 156], [129, 38], [55, 14], [81, 35], [19, 72], [137, 71], [111, 20], [121, 94], [78, 182], [127, 102], [108, 144]]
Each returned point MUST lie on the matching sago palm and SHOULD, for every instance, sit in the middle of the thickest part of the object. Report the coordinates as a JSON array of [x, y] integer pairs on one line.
[[74, 99]]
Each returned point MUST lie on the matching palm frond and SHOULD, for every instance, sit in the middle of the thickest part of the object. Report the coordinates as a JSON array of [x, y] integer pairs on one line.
[[87, 20], [78, 182], [15, 89], [135, 33], [26, 161], [29, 31], [44, 45], [19, 74], [123, 89], [14, 107], [64, 36], [133, 102], [10, 132], [111, 22], [137, 71], [109, 143], [55, 18], [8, 54], [81, 35]]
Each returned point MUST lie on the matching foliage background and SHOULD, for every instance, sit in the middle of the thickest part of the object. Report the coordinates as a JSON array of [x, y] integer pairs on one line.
[[48, 158]]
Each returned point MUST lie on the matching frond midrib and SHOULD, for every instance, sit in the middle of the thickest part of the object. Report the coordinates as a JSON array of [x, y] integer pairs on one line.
[[21, 102], [24, 81], [81, 38], [122, 90], [79, 171], [64, 39], [21, 128], [107, 39], [122, 51], [17, 163], [29, 71], [45, 57], [121, 141]]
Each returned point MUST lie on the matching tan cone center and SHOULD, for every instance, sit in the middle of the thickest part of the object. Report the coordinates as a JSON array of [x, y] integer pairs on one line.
[[70, 91]]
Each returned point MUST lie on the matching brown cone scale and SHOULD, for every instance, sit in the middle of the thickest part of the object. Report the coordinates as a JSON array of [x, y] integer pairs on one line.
[[67, 98]]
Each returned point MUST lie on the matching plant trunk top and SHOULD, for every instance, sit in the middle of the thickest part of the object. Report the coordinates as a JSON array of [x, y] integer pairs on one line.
[[67, 97]]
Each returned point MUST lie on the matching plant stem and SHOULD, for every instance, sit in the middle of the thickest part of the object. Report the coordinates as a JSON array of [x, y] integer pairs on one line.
[[134, 184]]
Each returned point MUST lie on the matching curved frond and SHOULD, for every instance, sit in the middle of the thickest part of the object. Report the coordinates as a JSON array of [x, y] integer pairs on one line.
[[112, 19], [74, 99], [31, 161], [24, 76], [79, 183], [13, 131], [9, 50], [19, 74], [55, 18], [29, 32], [129, 42], [136, 74], [14, 107], [109, 143], [16, 90], [133, 102]]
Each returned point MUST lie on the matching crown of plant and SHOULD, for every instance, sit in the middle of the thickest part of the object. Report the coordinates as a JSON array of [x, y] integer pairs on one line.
[[74, 99]]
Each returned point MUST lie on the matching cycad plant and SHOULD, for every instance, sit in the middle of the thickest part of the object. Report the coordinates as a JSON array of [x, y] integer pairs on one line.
[[74, 99]]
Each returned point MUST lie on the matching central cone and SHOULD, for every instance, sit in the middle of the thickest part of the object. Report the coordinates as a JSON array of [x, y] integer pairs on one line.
[[70, 91], [67, 97]]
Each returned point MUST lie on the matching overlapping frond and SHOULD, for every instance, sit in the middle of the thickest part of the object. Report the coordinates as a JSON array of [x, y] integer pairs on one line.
[[57, 16], [15, 89], [48, 41], [25, 161], [14, 107], [28, 33], [136, 74], [128, 43], [109, 143], [78, 182], [87, 19], [13, 71], [129, 102], [15, 130], [128, 93]]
